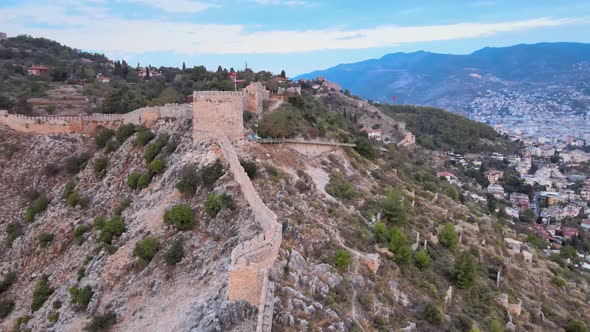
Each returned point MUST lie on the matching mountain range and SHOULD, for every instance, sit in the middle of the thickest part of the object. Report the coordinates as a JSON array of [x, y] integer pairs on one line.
[[455, 81]]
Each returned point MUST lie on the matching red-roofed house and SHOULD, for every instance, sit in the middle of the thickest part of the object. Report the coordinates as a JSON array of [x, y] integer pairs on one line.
[[39, 71], [569, 232], [447, 175]]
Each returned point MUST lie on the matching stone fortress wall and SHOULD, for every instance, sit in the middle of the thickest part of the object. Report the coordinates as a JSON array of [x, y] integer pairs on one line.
[[88, 124], [251, 260]]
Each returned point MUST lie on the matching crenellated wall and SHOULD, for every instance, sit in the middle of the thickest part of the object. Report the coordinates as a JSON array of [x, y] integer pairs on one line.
[[252, 259], [88, 124]]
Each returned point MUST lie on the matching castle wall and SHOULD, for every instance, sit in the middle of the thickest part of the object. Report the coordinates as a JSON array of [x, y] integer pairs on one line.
[[256, 93], [218, 110], [252, 259], [88, 124]]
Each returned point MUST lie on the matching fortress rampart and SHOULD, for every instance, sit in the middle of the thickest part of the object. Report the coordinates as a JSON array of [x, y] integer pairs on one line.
[[88, 124], [252, 259]]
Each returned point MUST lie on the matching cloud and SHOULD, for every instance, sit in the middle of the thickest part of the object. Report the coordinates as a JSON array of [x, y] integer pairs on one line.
[[114, 35], [177, 6]]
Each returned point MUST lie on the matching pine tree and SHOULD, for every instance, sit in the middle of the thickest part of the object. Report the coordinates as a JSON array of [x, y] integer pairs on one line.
[[465, 270], [448, 237], [183, 66], [283, 74], [147, 72], [394, 210]]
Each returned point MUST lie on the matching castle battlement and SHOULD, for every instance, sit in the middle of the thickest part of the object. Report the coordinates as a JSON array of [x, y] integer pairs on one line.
[[219, 93]]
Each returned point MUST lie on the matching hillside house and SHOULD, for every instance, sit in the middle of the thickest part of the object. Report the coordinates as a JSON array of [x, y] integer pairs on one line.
[[497, 191], [153, 73], [39, 71], [373, 134], [102, 79], [569, 232], [493, 175], [520, 201]]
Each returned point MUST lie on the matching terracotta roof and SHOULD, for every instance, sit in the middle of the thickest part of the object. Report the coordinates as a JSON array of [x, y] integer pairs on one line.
[[39, 68]]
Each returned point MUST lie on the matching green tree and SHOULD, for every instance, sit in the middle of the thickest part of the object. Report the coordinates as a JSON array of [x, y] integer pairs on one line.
[[379, 231], [465, 270], [283, 74], [422, 259], [448, 236], [394, 210], [365, 148], [133, 179], [432, 314], [568, 252], [103, 136]]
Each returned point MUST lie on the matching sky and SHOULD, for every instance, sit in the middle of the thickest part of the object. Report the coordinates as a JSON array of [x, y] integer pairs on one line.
[[298, 36]]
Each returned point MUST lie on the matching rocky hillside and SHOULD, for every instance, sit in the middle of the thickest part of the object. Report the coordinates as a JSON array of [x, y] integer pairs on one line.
[[65, 244], [133, 232]]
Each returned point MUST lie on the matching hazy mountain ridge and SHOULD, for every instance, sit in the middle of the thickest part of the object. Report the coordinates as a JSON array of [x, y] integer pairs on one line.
[[453, 81]]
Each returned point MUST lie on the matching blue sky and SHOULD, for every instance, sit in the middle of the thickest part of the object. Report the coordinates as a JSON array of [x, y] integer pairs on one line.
[[296, 35]]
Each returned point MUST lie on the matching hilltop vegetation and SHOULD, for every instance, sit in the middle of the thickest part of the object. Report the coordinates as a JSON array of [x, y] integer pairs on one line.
[[437, 129], [126, 90]]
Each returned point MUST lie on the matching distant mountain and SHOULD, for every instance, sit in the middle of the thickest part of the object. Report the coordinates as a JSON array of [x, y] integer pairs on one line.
[[455, 81]]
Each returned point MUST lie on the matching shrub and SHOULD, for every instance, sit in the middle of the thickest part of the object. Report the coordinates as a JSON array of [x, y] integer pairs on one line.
[[51, 170], [38, 205], [111, 146], [189, 180], [41, 293], [6, 307], [111, 228], [342, 259], [558, 281], [211, 173], [73, 199], [576, 325], [144, 136], [69, 189], [448, 237], [23, 320], [432, 314], [250, 168], [212, 204], [365, 148], [144, 180], [154, 148], [79, 233], [340, 188], [76, 163], [103, 136], [81, 273], [227, 202], [175, 253], [123, 204], [45, 239], [100, 166], [53, 317], [156, 166], [7, 281], [133, 179], [56, 304], [124, 132], [146, 249], [13, 231], [81, 296], [379, 231], [465, 270], [181, 216], [398, 244], [422, 259], [568, 252], [102, 322]]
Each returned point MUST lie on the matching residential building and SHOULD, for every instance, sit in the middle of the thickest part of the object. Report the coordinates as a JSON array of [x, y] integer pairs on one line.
[[39, 71]]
